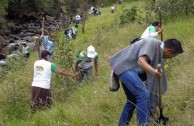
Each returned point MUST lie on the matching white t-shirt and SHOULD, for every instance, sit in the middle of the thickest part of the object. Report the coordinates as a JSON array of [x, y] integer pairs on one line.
[[150, 32], [78, 17], [42, 73]]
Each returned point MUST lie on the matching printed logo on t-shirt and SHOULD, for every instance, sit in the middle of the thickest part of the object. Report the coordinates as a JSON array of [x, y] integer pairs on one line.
[[39, 68]]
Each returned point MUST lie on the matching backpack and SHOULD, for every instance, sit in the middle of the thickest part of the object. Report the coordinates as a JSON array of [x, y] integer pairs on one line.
[[135, 40], [66, 31]]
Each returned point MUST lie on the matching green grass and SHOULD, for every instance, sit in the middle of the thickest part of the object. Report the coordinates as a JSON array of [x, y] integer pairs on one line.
[[93, 104]]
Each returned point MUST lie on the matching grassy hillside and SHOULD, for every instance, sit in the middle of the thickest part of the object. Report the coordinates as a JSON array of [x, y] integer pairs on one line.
[[84, 104]]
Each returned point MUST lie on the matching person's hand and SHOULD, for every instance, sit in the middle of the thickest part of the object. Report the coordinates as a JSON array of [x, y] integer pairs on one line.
[[160, 30], [42, 35], [76, 75], [157, 75]]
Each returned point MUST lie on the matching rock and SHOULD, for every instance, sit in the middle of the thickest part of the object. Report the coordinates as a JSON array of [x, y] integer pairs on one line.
[[27, 37], [2, 32], [32, 46], [2, 56], [15, 37], [6, 51], [12, 40], [48, 18], [7, 32], [2, 63], [1, 41], [10, 24], [21, 29], [5, 42]]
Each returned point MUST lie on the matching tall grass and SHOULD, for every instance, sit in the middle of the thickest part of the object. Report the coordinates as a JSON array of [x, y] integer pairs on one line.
[[92, 104]]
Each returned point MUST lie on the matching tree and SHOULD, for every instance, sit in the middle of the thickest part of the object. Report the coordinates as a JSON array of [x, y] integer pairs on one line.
[[170, 8], [25, 7], [84, 11]]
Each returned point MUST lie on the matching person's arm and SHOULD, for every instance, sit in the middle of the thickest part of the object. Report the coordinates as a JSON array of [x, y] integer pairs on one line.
[[143, 63], [154, 32], [79, 58], [76, 65], [96, 67], [39, 43], [63, 73], [59, 71], [160, 30], [41, 46], [42, 35]]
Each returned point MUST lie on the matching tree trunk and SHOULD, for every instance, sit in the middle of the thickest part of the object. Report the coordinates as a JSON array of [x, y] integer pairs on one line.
[[85, 7], [35, 8], [58, 9], [186, 9]]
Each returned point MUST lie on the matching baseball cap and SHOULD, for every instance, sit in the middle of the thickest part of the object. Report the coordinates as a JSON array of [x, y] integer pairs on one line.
[[91, 52]]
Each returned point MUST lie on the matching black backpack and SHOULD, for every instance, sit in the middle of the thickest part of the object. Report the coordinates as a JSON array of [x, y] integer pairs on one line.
[[66, 31], [135, 40]]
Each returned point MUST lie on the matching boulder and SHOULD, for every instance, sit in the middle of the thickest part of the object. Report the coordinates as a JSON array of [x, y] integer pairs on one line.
[[2, 63], [2, 56], [32, 46], [5, 42], [1, 41], [5, 51]]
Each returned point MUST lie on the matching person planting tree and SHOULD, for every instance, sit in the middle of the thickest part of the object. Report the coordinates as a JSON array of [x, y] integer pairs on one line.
[[84, 62], [43, 68], [153, 30], [137, 58]]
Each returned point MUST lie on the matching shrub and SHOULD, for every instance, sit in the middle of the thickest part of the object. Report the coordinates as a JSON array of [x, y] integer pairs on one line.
[[128, 16]]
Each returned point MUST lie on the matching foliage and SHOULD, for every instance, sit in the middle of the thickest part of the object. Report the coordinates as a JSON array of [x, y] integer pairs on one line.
[[25, 7], [3, 6], [14, 98], [64, 58], [65, 52], [170, 9], [2, 22], [128, 16], [71, 6], [45, 5], [175, 7]]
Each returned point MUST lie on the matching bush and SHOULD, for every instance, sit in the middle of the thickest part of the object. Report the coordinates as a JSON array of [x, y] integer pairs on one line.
[[128, 16]]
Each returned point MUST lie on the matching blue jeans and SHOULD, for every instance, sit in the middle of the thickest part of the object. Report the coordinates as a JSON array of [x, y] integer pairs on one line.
[[138, 97]]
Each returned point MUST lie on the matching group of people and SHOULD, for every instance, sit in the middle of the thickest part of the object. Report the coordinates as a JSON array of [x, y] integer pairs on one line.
[[71, 33], [95, 11], [143, 56], [43, 68]]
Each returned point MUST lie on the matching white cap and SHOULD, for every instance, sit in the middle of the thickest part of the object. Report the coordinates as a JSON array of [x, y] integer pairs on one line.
[[91, 52]]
